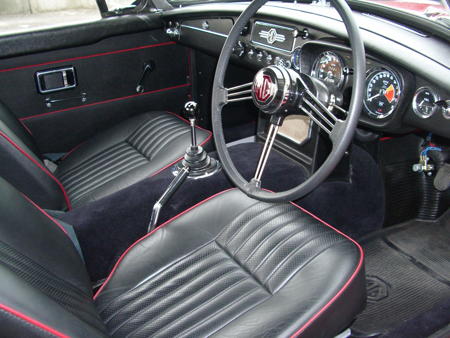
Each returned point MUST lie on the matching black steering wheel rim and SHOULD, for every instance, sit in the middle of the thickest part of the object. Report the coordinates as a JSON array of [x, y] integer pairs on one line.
[[345, 134]]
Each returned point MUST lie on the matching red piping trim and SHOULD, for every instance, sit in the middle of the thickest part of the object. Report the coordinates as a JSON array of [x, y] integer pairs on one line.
[[345, 286], [386, 138], [45, 213], [180, 158], [72, 150], [152, 232], [89, 56], [32, 321], [48, 173], [105, 101]]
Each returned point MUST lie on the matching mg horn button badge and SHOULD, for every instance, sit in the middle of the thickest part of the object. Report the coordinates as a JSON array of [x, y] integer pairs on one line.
[[264, 88]]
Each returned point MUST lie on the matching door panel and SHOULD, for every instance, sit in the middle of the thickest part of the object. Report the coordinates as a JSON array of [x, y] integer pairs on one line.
[[107, 72]]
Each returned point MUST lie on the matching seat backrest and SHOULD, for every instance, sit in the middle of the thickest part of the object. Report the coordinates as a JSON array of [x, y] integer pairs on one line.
[[22, 166], [45, 288]]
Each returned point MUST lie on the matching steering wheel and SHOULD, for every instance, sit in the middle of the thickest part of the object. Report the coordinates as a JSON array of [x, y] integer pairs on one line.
[[277, 92]]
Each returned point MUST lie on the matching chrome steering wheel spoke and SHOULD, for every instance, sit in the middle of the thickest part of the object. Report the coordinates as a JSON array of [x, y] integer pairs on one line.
[[271, 135], [239, 93], [320, 114]]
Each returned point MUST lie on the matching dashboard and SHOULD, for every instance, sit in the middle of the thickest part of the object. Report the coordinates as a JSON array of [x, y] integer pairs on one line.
[[400, 95]]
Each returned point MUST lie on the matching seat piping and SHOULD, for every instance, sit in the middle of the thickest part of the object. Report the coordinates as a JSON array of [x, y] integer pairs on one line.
[[32, 321]]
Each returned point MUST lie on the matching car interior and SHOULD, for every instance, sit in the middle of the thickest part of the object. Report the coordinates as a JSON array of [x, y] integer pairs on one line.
[[230, 169]]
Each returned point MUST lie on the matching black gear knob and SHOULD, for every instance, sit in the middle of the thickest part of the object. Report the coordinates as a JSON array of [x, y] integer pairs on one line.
[[191, 109]]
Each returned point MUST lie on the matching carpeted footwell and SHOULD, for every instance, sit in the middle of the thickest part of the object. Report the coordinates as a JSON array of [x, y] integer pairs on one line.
[[408, 280], [107, 227]]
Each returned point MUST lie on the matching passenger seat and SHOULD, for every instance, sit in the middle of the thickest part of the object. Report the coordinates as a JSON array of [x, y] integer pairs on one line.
[[136, 149]]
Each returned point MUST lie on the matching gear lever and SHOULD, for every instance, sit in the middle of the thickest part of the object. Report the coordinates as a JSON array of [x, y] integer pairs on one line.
[[196, 164], [191, 111]]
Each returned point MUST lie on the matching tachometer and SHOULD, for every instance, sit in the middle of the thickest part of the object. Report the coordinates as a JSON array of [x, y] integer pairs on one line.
[[383, 91], [329, 68]]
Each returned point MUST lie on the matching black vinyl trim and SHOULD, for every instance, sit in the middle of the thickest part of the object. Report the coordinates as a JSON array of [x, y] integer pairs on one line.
[[76, 35]]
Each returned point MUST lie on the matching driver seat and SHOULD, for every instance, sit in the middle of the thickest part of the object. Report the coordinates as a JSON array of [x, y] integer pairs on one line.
[[229, 266]]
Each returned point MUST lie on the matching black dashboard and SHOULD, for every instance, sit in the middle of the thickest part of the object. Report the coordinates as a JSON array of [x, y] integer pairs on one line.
[[408, 72]]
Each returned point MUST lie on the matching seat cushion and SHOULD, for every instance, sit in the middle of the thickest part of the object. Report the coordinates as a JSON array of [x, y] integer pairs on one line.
[[233, 266], [115, 159]]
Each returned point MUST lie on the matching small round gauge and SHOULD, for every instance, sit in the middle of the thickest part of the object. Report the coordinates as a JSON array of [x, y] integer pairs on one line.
[[424, 102], [296, 58], [329, 68], [383, 91]]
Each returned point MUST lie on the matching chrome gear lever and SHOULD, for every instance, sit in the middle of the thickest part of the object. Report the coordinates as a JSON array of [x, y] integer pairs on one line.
[[191, 111], [196, 164]]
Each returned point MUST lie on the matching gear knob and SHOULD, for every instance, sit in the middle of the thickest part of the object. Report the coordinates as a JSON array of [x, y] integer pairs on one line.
[[191, 109]]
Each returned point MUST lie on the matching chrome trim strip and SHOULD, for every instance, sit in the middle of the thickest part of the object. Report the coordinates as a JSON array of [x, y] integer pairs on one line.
[[204, 30]]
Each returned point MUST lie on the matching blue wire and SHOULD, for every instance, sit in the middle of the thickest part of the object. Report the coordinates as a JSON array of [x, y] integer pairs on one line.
[[427, 149]]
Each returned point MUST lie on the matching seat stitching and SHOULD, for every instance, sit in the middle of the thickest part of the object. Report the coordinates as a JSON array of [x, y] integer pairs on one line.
[[151, 129], [137, 133], [245, 295], [292, 253], [225, 228], [157, 136], [99, 160], [244, 268], [150, 134], [279, 244], [255, 231], [152, 120], [174, 306], [180, 287], [85, 176], [159, 273], [101, 178], [273, 233], [170, 324], [305, 263], [158, 149], [91, 161], [233, 236]]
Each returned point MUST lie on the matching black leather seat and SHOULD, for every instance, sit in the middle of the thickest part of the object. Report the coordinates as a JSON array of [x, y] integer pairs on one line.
[[112, 160], [230, 267]]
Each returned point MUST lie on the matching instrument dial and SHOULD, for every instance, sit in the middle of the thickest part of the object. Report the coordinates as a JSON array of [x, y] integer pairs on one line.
[[424, 102], [382, 94], [329, 68], [296, 58]]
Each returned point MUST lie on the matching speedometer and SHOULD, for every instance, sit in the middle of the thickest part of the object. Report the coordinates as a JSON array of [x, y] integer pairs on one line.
[[383, 90], [329, 68]]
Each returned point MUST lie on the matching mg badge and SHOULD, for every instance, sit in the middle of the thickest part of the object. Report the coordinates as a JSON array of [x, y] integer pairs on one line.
[[263, 88]]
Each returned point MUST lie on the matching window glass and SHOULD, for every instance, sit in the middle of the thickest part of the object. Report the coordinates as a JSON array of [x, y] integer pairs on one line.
[[18, 16], [116, 4]]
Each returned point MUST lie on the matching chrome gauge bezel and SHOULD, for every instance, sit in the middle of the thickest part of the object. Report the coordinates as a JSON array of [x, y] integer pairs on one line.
[[296, 51], [370, 74], [341, 61], [415, 103]]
